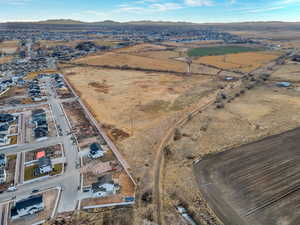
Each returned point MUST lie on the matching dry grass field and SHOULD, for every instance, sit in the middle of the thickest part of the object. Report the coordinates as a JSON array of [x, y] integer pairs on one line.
[[259, 113], [5, 59], [140, 48], [290, 72], [9, 46], [159, 54], [244, 62], [118, 60], [140, 105]]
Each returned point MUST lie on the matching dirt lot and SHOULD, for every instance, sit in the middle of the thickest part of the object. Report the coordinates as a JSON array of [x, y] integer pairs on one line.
[[80, 124], [14, 95], [108, 216], [9, 46], [290, 72], [11, 169], [49, 199], [5, 59], [263, 189], [133, 61], [245, 62]]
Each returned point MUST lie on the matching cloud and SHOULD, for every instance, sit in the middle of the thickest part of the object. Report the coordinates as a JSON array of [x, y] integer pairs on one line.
[[14, 2], [165, 6], [265, 9], [199, 2], [286, 2]]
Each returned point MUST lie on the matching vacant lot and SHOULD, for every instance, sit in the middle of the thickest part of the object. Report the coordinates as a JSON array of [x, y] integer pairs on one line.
[[255, 184], [132, 61], [245, 62], [259, 113], [159, 54], [9, 47], [290, 72], [5, 59], [137, 108], [125, 98], [140, 48], [220, 50]]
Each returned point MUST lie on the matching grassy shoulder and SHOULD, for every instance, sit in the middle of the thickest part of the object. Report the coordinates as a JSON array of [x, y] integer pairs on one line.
[[220, 50]]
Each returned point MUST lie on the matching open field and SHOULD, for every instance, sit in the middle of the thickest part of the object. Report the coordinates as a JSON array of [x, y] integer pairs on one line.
[[219, 50], [258, 113], [140, 48], [245, 62], [136, 109], [192, 44], [133, 61], [147, 95], [255, 184], [159, 54], [9, 47], [5, 59], [290, 72]]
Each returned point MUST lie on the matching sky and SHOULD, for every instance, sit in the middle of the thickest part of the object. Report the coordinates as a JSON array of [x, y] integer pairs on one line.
[[198, 11]]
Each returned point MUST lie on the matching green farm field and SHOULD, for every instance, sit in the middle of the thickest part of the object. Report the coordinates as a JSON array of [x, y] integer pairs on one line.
[[220, 50]]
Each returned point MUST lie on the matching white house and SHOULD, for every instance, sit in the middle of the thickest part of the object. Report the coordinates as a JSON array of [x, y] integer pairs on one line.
[[105, 186], [27, 206]]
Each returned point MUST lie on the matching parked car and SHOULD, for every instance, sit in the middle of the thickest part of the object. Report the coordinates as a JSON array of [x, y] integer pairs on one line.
[[11, 189]]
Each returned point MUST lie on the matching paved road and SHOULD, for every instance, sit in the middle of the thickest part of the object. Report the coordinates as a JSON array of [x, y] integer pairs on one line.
[[70, 185], [70, 180]]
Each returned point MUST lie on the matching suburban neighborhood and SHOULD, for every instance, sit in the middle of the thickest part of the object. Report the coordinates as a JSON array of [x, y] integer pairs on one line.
[[46, 167]]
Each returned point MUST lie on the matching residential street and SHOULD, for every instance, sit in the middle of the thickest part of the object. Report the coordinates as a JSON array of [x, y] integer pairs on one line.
[[69, 181]]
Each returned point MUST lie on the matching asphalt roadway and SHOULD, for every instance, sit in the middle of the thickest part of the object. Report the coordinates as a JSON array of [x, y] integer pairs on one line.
[[69, 181]]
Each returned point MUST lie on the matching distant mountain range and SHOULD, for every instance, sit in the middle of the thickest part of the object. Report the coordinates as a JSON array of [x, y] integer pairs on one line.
[[148, 22]]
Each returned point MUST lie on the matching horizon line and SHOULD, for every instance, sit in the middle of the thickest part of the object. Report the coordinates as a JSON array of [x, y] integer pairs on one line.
[[153, 21]]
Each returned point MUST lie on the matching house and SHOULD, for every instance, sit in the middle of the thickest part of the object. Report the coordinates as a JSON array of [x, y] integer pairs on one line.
[[2, 176], [6, 118], [40, 154], [4, 139], [95, 151], [44, 165], [2, 160], [40, 132], [105, 186], [27, 206], [21, 82], [4, 128]]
